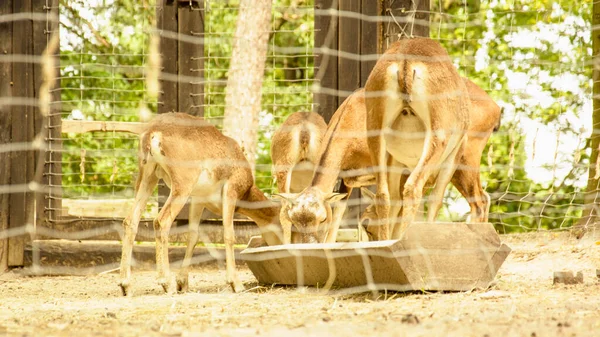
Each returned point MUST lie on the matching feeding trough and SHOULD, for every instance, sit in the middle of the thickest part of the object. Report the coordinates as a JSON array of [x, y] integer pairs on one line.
[[430, 256]]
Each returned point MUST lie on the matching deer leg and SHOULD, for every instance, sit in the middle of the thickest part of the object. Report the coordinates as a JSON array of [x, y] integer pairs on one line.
[[162, 226], [468, 182], [413, 188], [229, 201], [396, 229], [395, 181], [283, 181], [380, 227], [145, 184], [337, 217], [443, 179], [196, 210]]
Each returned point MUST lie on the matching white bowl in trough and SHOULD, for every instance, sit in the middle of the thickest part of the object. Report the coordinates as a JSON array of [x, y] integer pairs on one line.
[[439, 256]]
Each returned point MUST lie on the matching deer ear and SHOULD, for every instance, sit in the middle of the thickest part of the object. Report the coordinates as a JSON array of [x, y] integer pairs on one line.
[[289, 197], [367, 193], [335, 197]]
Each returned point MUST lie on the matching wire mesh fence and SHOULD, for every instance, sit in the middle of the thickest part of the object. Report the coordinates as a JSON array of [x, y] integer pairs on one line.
[[533, 60], [103, 74]]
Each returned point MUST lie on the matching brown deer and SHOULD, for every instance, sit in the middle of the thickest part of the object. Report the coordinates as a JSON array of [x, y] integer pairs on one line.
[[418, 108], [485, 117], [294, 150], [345, 153], [198, 162]]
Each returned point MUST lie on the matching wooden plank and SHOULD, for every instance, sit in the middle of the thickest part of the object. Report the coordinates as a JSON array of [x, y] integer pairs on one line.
[[5, 126], [21, 204], [191, 58], [62, 257], [70, 126], [349, 67], [326, 65], [167, 21], [368, 39], [108, 229]]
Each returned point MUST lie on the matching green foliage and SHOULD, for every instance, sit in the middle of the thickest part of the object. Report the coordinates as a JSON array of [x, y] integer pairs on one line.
[[545, 43], [288, 75], [502, 30], [102, 79]]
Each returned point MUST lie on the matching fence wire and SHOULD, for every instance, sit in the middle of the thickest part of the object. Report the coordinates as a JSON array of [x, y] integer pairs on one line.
[[532, 59]]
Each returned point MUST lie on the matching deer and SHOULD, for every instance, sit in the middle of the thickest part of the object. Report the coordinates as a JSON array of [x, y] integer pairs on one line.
[[345, 153], [418, 111], [199, 163], [295, 150], [486, 118]]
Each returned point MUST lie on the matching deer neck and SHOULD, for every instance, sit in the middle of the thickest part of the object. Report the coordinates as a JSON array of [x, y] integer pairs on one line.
[[330, 166], [265, 213]]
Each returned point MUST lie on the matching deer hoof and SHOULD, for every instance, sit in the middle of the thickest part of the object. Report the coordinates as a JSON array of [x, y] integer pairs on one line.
[[237, 286], [125, 288], [168, 284], [182, 283]]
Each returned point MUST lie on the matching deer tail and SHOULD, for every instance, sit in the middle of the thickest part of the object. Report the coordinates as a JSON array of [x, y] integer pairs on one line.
[[497, 127], [405, 79]]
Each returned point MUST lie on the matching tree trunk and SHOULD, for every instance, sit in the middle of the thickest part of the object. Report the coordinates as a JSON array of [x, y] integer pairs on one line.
[[589, 220], [246, 72]]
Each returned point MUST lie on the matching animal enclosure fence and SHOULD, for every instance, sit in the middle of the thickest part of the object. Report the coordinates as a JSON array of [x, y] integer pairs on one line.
[[534, 59]]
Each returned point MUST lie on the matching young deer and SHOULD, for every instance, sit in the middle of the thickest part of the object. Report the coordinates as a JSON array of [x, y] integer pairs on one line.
[[294, 150], [418, 106], [345, 153], [195, 160]]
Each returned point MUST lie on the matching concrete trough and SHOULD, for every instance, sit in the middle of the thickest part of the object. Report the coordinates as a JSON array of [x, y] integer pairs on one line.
[[430, 256]]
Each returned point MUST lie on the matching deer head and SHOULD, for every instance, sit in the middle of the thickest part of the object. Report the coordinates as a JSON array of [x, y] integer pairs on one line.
[[307, 215]]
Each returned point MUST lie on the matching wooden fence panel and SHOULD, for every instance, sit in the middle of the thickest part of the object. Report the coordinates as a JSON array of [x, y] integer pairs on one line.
[[166, 20], [191, 58], [22, 130], [326, 64], [6, 29]]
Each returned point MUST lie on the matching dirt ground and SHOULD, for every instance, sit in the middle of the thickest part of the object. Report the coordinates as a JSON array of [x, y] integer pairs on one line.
[[522, 302]]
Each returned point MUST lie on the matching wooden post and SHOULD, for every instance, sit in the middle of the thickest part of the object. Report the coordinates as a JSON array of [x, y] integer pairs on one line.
[[326, 64], [191, 58], [349, 44], [368, 42], [5, 127], [166, 20], [22, 165], [22, 123], [182, 59]]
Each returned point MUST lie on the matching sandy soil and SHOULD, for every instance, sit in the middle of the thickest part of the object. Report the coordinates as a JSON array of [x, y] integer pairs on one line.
[[522, 302]]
